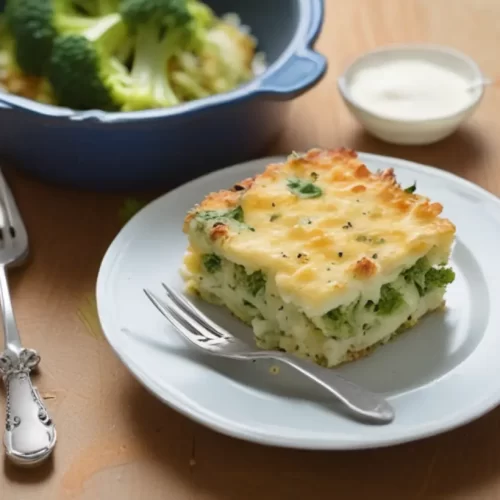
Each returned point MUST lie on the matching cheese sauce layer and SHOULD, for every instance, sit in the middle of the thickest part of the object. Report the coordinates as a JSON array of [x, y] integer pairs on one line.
[[323, 227]]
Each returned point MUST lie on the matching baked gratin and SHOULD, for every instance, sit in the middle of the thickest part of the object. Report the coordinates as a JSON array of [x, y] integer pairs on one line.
[[322, 257]]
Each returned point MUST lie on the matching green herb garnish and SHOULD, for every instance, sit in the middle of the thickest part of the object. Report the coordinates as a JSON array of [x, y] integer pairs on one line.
[[223, 217], [411, 189], [236, 214], [304, 189]]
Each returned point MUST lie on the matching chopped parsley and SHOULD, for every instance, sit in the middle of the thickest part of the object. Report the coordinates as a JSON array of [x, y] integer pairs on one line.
[[304, 189], [236, 214], [411, 189], [219, 217], [274, 217], [209, 215]]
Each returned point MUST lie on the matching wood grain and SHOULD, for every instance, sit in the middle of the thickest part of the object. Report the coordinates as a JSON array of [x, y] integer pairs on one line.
[[116, 440]]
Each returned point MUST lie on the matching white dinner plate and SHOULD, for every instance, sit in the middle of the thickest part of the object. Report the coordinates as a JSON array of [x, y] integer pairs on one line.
[[438, 375]]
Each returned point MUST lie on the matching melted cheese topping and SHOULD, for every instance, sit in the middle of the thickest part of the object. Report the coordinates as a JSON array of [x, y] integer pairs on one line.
[[323, 251]]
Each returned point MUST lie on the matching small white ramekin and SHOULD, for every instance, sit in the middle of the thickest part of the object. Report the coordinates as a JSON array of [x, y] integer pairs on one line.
[[416, 131]]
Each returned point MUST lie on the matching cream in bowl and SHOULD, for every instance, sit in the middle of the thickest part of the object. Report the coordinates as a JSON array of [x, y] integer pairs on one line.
[[412, 94]]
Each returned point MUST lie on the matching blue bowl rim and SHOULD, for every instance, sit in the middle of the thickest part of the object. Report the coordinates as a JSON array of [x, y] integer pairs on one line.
[[311, 18]]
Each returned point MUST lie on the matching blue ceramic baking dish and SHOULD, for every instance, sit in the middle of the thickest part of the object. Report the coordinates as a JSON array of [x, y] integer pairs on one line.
[[163, 148]]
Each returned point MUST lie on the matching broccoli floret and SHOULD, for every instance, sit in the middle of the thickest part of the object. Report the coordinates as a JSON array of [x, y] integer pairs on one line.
[[162, 29], [256, 282], [211, 262], [438, 278], [341, 320], [235, 218], [97, 8], [426, 278], [34, 25], [390, 300], [253, 283], [203, 16], [82, 70], [416, 274]]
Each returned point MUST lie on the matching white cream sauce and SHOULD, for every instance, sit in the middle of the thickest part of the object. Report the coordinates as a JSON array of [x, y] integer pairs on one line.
[[410, 89]]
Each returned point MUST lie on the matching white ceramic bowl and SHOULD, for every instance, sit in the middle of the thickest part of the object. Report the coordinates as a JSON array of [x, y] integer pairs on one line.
[[416, 131]]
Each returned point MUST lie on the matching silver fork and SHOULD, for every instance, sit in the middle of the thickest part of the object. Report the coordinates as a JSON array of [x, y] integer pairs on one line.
[[30, 435], [203, 333]]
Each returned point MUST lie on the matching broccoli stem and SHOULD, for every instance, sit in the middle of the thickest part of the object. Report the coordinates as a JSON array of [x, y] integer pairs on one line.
[[68, 23], [151, 64], [108, 32]]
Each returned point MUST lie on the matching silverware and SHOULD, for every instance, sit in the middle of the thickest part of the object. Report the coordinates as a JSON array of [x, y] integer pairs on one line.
[[203, 333], [30, 435]]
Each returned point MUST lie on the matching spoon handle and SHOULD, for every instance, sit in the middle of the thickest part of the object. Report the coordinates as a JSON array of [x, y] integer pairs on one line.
[[30, 434]]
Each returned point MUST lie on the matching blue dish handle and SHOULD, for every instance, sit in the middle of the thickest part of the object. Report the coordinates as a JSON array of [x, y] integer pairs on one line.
[[304, 67], [299, 73]]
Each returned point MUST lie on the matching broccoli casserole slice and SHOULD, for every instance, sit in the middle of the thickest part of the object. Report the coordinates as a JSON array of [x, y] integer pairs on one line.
[[320, 256]]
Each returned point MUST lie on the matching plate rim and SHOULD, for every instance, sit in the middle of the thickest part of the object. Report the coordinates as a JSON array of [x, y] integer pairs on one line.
[[213, 421]]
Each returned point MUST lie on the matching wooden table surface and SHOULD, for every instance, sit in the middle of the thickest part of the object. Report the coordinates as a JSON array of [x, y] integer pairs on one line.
[[116, 441]]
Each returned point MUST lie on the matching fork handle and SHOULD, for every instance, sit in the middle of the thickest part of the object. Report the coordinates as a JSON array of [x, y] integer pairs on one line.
[[11, 334], [362, 402]]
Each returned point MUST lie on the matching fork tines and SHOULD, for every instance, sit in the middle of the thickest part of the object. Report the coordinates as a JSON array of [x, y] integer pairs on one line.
[[187, 320]]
